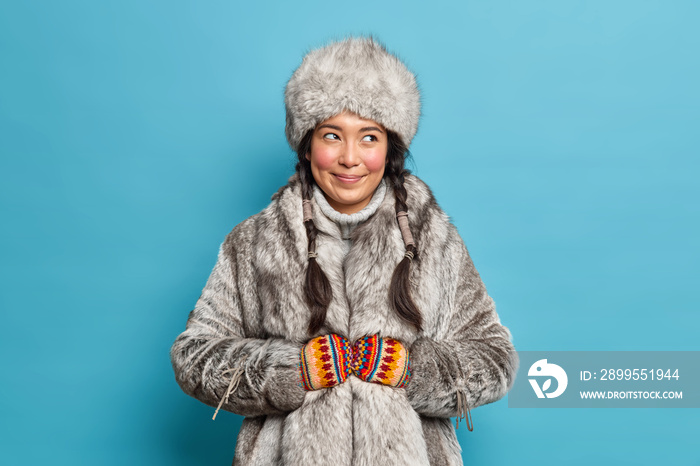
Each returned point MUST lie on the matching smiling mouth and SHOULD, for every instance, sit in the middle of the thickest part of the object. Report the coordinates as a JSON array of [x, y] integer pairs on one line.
[[348, 178]]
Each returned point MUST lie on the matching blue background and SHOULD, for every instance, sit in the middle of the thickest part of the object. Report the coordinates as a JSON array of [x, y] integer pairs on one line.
[[560, 136]]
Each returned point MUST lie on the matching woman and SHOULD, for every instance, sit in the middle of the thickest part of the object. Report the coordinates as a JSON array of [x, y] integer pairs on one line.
[[346, 320]]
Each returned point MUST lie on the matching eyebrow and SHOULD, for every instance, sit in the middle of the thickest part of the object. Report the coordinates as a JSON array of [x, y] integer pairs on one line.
[[338, 128]]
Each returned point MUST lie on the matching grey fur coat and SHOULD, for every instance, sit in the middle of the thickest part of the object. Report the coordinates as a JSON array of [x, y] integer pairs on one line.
[[252, 315]]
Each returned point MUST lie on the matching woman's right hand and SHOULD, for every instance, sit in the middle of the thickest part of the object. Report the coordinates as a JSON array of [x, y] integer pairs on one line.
[[325, 362]]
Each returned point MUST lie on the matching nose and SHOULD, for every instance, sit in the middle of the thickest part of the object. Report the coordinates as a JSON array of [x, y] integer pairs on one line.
[[350, 155]]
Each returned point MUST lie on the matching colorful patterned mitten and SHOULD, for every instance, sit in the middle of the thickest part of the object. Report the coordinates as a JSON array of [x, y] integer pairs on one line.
[[325, 362], [381, 360]]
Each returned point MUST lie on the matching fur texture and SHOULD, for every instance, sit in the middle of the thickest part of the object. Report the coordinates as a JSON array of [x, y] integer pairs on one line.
[[252, 314], [356, 74]]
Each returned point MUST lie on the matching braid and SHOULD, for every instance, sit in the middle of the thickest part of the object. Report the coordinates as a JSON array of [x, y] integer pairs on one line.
[[399, 290], [317, 288]]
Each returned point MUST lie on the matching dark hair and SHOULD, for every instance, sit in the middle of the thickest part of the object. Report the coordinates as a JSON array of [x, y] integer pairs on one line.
[[317, 287]]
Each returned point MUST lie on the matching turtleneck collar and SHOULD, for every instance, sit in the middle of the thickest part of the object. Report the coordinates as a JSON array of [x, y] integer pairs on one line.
[[347, 222]]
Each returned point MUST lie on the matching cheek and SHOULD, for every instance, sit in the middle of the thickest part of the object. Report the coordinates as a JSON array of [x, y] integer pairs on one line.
[[323, 159], [376, 160]]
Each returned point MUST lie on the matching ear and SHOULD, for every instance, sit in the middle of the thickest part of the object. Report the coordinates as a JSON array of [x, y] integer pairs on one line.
[[308, 156]]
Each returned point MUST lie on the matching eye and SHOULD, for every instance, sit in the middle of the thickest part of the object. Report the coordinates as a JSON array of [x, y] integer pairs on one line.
[[370, 137], [331, 136]]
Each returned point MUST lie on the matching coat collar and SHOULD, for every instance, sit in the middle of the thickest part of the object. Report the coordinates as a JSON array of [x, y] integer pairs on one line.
[[288, 197], [360, 280]]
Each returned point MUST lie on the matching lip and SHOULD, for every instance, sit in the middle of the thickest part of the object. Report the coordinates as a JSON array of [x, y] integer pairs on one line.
[[349, 179]]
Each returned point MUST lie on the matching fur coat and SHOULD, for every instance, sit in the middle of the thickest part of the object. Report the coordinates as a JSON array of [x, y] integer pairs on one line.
[[252, 317]]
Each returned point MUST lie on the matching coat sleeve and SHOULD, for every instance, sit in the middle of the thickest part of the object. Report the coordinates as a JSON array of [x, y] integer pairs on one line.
[[475, 356], [215, 353]]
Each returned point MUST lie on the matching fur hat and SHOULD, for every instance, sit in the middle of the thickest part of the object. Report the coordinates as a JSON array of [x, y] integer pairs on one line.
[[356, 74]]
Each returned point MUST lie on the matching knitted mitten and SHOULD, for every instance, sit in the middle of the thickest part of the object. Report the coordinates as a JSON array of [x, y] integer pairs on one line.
[[325, 362], [381, 360]]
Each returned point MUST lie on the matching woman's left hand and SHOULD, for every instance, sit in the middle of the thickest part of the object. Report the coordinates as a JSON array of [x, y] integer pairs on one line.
[[381, 360]]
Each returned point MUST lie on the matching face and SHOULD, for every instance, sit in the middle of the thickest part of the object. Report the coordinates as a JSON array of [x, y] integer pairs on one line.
[[348, 158]]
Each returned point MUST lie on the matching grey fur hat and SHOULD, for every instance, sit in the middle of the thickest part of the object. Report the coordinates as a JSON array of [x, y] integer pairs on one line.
[[356, 74]]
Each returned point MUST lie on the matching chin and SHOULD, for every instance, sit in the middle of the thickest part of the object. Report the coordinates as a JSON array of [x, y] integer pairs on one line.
[[348, 202]]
